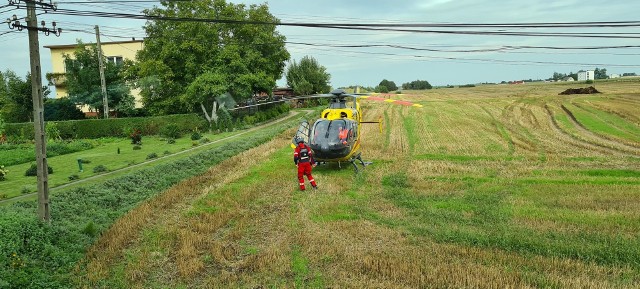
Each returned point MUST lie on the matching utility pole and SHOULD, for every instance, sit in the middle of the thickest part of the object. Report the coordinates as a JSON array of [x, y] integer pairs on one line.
[[105, 103], [36, 94]]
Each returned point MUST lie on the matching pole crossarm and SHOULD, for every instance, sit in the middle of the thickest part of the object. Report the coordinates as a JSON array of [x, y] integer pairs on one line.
[[17, 25], [50, 5]]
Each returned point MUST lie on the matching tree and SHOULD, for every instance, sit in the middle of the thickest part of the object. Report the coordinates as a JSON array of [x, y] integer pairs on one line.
[[61, 109], [16, 98], [204, 90], [247, 58], [390, 85], [381, 89], [558, 76], [84, 84], [417, 84], [308, 77], [600, 73]]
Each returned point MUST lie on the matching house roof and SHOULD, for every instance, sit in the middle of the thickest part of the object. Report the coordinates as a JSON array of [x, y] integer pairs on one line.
[[103, 43]]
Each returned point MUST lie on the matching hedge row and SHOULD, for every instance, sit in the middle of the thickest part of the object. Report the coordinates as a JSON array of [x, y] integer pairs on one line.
[[114, 127], [37, 255]]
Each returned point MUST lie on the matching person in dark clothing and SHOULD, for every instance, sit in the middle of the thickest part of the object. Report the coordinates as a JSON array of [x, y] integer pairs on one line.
[[303, 158]]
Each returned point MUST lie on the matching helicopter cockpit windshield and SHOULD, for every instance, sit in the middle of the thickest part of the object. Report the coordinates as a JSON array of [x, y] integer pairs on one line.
[[333, 136]]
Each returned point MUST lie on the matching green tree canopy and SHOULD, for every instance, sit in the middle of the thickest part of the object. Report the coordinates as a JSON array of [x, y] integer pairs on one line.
[[61, 109], [16, 101], [84, 85], [247, 58], [308, 77], [417, 84], [600, 73], [390, 85], [381, 89]]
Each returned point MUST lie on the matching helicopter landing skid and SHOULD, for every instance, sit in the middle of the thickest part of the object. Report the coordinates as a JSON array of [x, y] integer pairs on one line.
[[363, 163]]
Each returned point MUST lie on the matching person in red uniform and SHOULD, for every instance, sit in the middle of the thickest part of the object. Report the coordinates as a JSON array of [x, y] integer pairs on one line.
[[303, 158]]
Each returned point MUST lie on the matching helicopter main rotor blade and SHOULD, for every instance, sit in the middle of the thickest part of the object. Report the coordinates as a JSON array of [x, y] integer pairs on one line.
[[394, 101], [283, 100]]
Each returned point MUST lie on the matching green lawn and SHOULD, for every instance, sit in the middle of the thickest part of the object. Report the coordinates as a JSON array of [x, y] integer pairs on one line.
[[113, 155]]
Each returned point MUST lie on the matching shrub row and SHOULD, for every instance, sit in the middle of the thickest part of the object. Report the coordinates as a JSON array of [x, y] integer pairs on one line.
[[37, 255], [168, 125], [113, 127]]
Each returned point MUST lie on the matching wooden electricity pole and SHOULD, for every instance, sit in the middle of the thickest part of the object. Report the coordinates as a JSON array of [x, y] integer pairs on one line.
[[105, 103], [36, 95], [38, 114]]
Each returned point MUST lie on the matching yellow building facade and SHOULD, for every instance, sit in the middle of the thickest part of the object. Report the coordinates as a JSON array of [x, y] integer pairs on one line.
[[115, 52]]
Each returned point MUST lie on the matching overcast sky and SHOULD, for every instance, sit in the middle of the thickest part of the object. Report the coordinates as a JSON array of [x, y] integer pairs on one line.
[[438, 58]]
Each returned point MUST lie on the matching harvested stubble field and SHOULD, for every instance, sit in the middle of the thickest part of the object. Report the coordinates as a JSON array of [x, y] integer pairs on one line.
[[486, 187]]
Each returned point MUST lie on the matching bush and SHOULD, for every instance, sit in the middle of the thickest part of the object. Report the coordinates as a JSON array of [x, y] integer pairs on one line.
[[100, 169], [112, 127], [137, 147], [33, 170], [136, 137], [171, 131], [196, 135], [152, 156], [74, 177], [25, 190], [90, 229], [204, 140], [589, 81], [171, 140], [3, 173], [166, 153]]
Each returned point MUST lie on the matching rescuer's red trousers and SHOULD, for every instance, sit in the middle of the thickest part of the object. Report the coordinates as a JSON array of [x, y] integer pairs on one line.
[[305, 169]]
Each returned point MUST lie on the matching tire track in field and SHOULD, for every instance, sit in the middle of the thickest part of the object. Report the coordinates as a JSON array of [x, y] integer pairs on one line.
[[602, 141], [501, 130], [612, 138], [574, 140], [629, 117], [518, 120]]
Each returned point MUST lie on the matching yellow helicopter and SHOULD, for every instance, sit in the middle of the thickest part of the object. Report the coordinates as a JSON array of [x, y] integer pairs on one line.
[[335, 136]]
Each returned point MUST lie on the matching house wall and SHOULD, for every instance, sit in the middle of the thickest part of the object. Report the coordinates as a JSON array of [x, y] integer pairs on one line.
[[126, 50], [586, 75]]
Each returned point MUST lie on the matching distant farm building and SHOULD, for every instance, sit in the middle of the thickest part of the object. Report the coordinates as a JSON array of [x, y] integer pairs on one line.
[[283, 92], [586, 75], [568, 78], [614, 75]]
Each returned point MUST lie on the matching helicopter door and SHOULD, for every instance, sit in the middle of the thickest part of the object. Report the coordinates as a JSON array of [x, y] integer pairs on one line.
[[302, 132]]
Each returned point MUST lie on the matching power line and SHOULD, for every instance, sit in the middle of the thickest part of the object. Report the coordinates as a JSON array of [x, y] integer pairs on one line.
[[532, 25]]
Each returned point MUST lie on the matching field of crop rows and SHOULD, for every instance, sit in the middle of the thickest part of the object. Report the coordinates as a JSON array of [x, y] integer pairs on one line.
[[503, 186]]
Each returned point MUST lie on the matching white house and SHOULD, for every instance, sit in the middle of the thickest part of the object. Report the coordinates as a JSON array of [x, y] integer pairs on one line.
[[614, 75], [586, 75]]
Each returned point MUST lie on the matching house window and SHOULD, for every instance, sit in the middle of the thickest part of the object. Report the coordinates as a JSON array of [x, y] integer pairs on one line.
[[117, 60]]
